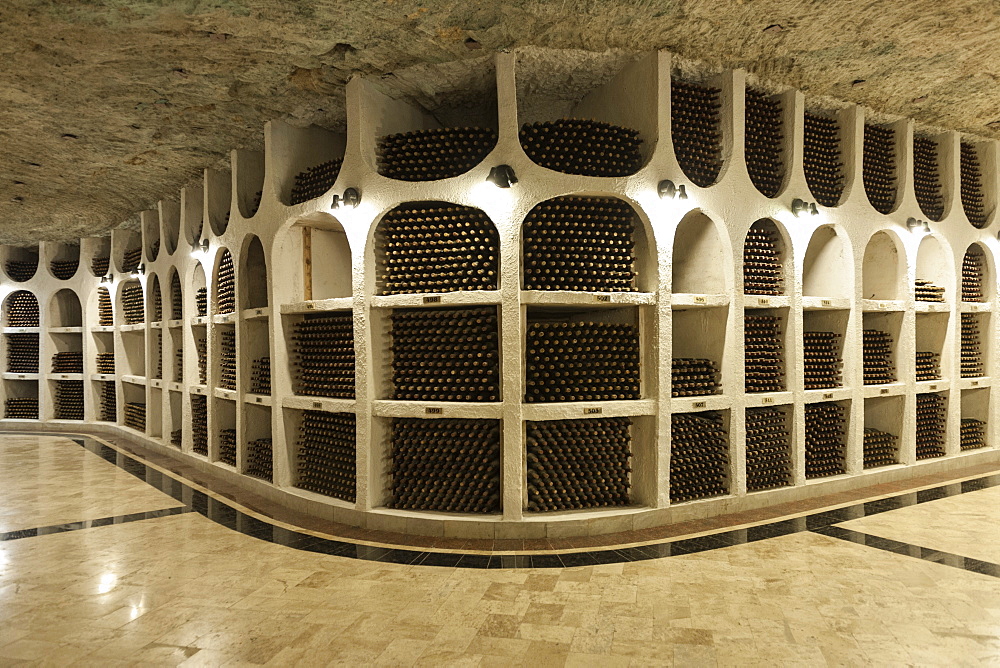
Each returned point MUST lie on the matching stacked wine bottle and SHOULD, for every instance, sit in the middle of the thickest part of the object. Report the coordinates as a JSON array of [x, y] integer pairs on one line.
[[973, 434], [22, 270], [105, 314], [821, 159], [135, 415], [429, 155], [699, 456], [972, 347], [580, 243], [768, 442], [69, 400], [877, 357], [176, 437], [972, 275], [227, 446], [176, 298], [201, 347], [225, 286], [315, 181], [259, 459], [764, 353], [327, 459], [323, 355], [575, 464], [260, 376], [109, 401], [763, 127], [99, 265], [581, 361], [880, 448], [199, 424], [157, 352], [201, 301], [154, 249], [931, 420], [822, 363], [178, 365], [156, 303], [22, 309], [928, 365], [64, 269], [694, 377], [132, 303], [445, 354], [450, 465], [972, 186], [254, 205], [927, 178], [22, 353], [825, 439], [105, 362], [131, 259], [67, 362], [582, 146], [21, 408], [437, 247], [762, 274], [227, 358], [695, 127], [879, 167], [925, 291]]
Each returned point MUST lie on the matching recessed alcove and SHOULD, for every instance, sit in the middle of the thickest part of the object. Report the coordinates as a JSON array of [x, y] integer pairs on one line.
[[932, 336], [883, 431], [170, 224], [934, 264], [224, 419], [253, 274], [96, 252], [699, 335], [192, 212], [930, 177], [826, 268], [699, 120], [65, 310], [175, 299], [126, 249], [879, 165], [319, 236], [63, 259], [154, 413], [224, 293], [305, 161], [151, 234], [701, 260], [133, 347], [131, 303], [976, 416], [825, 137], [767, 260], [257, 460], [882, 360], [248, 170], [977, 172], [154, 299], [767, 151], [175, 419], [19, 262], [978, 274], [883, 269], [20, 309], [199, 292]]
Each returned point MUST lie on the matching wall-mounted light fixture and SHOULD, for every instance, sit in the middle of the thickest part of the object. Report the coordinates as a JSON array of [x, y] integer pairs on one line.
[[108, 279], [801, 206], [139, 271], [502, 176], [200, 247], [915, 224], [351, 198], [666, 189]]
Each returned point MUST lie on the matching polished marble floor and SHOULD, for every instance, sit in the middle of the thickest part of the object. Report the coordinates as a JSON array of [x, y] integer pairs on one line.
[[185, 589]]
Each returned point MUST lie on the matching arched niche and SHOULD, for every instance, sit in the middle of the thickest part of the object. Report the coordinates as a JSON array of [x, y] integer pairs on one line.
[[19, 262], [176, 298], [170, 225], [199, 292], [63, 259], [978, 274], [929, 177], [131, 302], [65, 309], [828, 269], [977, 169], [96, 252], [151, 234], [698, 127], [154, 299], [20, 309], [253, 272], [192, 213], [883, 269], [934, 264], [879, 165], [765, 147], [823, 156], [317, 236], [126, 249], [248, 167], [701, 263], [224, 281], [306, 161], [766, 259], [105, 310]]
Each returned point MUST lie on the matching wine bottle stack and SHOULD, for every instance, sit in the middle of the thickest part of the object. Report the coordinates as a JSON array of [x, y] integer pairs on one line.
[[199, 424], [931, 420], [67, 362], [201, 346], [21, 408], [695, 126], [877, 357], [972, 186], [176, 298], [109, 401], [928, 365], [879, 167], [580, 243], [315, 181], [926, 291], [64, 269], [327, 458], [176, 437], [158, 352], [135, 415], [99, 265], [825, 439], [450, 465], [693, 377], [21, 270], [763, 128], [768, 443], [445, 354], [926, 178], [699, 456], [105, 313], [972, 348], [582, 146], [201, 301], [972, 276], [154, 249], [132, 303], [178, 365], [260, 376], [69, 400], [762, 273], [822, 363], [323, 356], [227, 446], [226, 284], [821, 159], [764, 353], [22, 353], [429, 155], [581, 361], [157, 303], [973, 434], [436, 247], [131, 259], [574, 464], [22, 310], [259, 459], [880, 448], [227, 358], [254, 205], [105, 362]]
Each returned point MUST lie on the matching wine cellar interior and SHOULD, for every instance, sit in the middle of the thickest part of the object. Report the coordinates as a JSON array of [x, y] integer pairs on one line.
[[575, 305]]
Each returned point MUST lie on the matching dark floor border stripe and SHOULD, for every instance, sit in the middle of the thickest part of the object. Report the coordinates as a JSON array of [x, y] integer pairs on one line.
[[822, 522], [90, 524]]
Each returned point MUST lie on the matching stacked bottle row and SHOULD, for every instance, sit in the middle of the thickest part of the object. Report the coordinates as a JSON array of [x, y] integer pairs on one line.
[[581, 361], [323, 347], [176, 298], [972, 275], [156, 303], [201, 301], [259, 459], [69, 400], [445, 354], [764, 352], [926, 179], [972, 353], [135, 415], [178, 365], [931, 416], [99, 265], [21, 408], [879, 167], [763, 142], [315, 181], [821, 159], [226, 284], [260, 376], [437, 247], [877, 357], [696, 131], [132, 303], [327, 457], [445, 465], [227, 446], [429, 155], [699, 456], [580, 243], [582, 146], [762, 274], [131, 259], [22, 353], [227, 358], [158, 353], [201, 347], [67, 362], [105, 314], [880, 448], [925, 291], [973, 434], [575, 464], [22, 310], [199, 424], [105, 362], [176, 437], [109, 402], [768, 443], [64, 269], [822, 365], [928, 366], [694, 377], [21, 270], [972, 186], [825, 439]]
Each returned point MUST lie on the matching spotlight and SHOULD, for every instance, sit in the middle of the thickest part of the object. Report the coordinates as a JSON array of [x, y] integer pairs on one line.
[[108, 279], [667, 190], [916, 224], [139, 271], [201, 247], [351, 198], [502, 176], [801, 206]]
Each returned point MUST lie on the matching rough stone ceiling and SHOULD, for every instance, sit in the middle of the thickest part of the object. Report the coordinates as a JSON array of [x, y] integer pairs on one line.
[[107, 106]]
